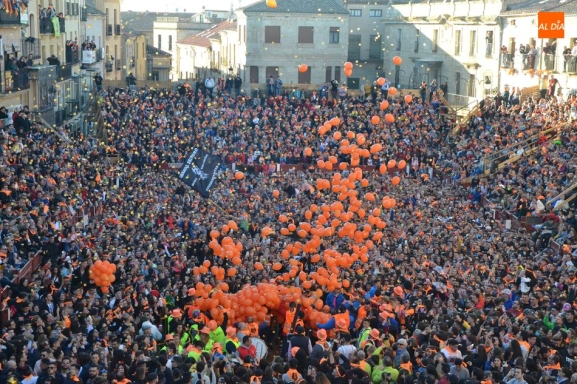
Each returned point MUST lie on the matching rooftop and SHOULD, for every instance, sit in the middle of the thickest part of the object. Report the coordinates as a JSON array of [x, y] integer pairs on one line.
[[144, 21], [202, 39], [152, 50], [331, 7], [91, 8], [521, 7]]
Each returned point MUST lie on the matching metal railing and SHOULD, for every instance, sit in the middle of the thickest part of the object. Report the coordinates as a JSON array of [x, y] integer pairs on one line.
[[11, 19], [47, 26], [64, 72], [72, 57], [31, 48], [16, 80], [109, 66], [90, 56]]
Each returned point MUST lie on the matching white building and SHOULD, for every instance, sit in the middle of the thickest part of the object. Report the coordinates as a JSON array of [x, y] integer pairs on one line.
[[95, 32], [533, 67], [455, 42], [208, 53], [276, 41]]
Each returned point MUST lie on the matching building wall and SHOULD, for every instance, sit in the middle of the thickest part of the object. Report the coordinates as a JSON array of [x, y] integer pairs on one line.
[[113, 43], [368, 25], [523, 30], [289, 54], [409, 32], [135, 56], [174, 31]]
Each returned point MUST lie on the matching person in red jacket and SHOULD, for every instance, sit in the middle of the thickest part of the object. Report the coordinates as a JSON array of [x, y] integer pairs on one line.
[[246, 348]]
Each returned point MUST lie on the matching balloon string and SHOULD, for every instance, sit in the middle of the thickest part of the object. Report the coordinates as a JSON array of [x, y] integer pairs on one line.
[[220, 208]]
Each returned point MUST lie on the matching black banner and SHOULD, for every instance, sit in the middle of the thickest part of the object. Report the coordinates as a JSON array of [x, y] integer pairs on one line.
[[200, 170]]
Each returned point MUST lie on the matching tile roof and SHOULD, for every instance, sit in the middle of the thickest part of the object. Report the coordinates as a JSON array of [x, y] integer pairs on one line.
[[202, 39], [144, 21], [332, 7], [91, 9], [152, 50]]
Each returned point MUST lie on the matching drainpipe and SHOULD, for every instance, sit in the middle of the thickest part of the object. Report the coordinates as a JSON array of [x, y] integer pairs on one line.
[[500, 22]]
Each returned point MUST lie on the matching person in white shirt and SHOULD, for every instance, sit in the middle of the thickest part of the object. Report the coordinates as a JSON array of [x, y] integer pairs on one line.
[[346, 349]]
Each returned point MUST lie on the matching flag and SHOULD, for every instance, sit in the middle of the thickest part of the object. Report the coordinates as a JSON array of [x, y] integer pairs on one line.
[[56, 24], [199, 171]]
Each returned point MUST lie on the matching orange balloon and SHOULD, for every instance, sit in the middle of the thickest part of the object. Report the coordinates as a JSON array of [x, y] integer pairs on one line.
[[343, 166], [348, 65], [308, 151], [384, 105], [402, 164], [303, 68], [380, 81], [276, 266], [335, 121], [392, 91], [271, 3], [239, 175], [389, 118], [408, 99], [236, 261], [397, 60], [258, 266], [275, 193], [391, 164], [375, 120], [266, 231], [232, 225], [383, 169], [214, 234], [348, 72], [396, 180], [231, 272], [337, 135]]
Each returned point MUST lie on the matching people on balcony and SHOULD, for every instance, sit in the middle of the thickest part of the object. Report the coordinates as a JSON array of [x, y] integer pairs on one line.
[[573, 57], [566, 57], [506, 57], [61, 22], [53, 60], [89, 46], [532, 56]]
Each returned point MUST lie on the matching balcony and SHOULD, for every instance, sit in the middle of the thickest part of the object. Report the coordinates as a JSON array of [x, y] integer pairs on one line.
[[118, 65], [16, 18], [16, 80], [109, 66], [47, 26], [109, 30], [64, 72], [91, 56], [72, 57], [117, 29], [31, 48], [508, 61]]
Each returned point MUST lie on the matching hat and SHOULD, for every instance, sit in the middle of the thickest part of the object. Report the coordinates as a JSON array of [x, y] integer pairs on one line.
[[176, 313], [196, 314], [402, 342], [321, 334], [398, 291], [374, 333], [230, 331], [169, 337], [506, 292], [341, 324], [205, 330], [566, 307], [452, 342], [212, 325], [294, 351], [191, 292]]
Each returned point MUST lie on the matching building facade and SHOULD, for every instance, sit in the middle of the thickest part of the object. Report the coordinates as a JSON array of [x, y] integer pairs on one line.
[[209, 53], [274, 42], [134, 56], [529, 61], [93, 47], [450, 42], [113, 40]]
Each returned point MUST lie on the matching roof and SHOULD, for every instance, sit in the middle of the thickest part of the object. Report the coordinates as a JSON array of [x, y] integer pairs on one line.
[[152, 50], [144, 21], [90, 6], [202, 39], [332, 7], [527, 7]]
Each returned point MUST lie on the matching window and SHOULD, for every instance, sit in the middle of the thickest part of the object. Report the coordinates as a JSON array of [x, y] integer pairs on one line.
[[356, 12], [305, 77], [473, 43], [306, 35], [170, 42], [458, 83], [159, 42], [253, 74], [272, 34], [417, 41], [489, 41], [328, 74], [334, 35], [271, 71], [399, 35], [338, 74], [457, 42], [376, 13], [435, 40]]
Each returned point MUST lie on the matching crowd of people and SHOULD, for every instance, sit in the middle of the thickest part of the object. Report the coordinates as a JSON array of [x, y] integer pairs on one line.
[[396, 272]]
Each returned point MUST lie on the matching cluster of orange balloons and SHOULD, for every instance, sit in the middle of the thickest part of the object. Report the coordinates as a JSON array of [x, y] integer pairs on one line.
[[102, 274], [328, 125]]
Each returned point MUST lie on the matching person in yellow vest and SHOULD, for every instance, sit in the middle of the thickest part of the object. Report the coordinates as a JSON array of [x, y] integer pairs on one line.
[[195, 350], [217, 335], [205, 338], [232, 341]]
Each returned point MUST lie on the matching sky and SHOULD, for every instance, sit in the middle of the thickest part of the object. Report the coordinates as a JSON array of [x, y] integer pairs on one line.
[[172, 5]]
